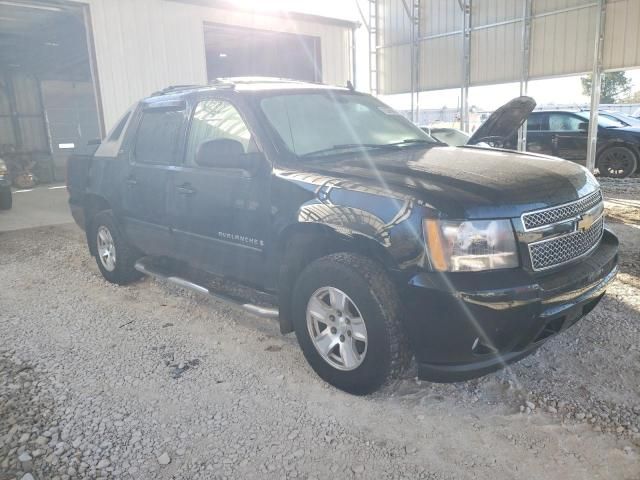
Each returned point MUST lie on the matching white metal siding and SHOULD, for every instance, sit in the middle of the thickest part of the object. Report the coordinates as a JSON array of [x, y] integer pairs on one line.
[[622, 34], [144, 45], [562, 41], [441, 44], [441, 62]]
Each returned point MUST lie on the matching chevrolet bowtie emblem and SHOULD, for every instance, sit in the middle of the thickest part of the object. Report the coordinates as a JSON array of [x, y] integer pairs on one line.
[[584, 222]]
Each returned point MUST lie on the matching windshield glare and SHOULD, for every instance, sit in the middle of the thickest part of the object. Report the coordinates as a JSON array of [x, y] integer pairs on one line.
[[450, 136], [319, 121], [606, 122]]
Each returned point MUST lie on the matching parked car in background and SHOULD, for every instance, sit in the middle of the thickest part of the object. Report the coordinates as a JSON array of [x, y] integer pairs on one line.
[[558, 133], [564, 134], [496, 129], [6, 199], [349, 224], [624, 119], [451, 136]]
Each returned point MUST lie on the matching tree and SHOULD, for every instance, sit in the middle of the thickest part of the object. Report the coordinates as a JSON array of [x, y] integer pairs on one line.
[[613, 87], [632, 98]]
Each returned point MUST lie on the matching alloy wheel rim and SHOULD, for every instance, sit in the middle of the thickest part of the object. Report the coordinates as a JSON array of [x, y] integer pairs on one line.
[[106, 249], [617, 161], [337, 329]]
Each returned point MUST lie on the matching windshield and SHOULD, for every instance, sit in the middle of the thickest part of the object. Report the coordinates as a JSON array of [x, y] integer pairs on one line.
[[450, 136], [606, 122], [325, 123]]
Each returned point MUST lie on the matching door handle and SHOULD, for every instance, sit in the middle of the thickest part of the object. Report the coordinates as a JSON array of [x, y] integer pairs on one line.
[[131, 181], [185, 189]]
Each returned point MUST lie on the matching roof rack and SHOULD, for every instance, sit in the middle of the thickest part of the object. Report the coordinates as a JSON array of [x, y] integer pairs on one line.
[[174, 88], [228, 82], [260, 79], [255, 79], [218, 83]]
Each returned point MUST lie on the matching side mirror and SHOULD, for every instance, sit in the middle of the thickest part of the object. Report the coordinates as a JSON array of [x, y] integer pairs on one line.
[[225, 153], [583, 126]]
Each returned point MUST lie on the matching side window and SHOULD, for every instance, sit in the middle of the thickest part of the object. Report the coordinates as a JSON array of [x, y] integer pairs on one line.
[[537, 122], [213, 120], [562, 122], [157, 136]]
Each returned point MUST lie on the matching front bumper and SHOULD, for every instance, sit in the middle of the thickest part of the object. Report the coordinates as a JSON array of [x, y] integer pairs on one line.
[[464, 325]]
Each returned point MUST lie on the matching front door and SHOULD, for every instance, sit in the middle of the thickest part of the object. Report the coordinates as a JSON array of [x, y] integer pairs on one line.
[[151, 158], [220, 216]]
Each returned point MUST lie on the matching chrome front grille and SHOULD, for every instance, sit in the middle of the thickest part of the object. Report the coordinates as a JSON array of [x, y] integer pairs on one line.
[[556, 251], [549, 216]]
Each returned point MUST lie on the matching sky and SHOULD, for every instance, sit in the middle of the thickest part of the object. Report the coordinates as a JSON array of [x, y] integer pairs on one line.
[[564, 90]]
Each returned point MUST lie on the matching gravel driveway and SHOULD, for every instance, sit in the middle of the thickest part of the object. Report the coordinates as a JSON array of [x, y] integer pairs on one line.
[[151, 382]]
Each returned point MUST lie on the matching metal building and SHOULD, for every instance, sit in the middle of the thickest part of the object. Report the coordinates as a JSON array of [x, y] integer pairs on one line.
[[69, 69], [425, 45]]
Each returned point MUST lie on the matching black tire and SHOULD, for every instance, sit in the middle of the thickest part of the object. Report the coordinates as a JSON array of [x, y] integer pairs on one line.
[[6, 199], [369, 287], [617, 161], [126, 255]]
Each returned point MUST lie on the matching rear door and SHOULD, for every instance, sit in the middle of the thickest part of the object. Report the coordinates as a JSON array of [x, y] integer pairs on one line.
[[567, 139], [220, 216], [152, 156], [539, 139]]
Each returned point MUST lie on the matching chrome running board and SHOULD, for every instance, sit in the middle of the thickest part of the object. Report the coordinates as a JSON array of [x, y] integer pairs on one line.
[[143, 266]]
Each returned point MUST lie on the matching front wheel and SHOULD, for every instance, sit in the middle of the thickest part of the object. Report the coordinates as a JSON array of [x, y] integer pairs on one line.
[[346, 318], [6, 199], [114, 255], [617, 162]]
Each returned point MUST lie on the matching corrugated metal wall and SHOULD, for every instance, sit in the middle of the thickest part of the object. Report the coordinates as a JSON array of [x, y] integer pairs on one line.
[[21, 115], [562, 41], [144, 45]]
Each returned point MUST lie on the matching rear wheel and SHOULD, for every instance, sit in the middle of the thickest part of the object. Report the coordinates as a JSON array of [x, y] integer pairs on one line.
[[114, 255], [346, 318], [617, 162], [6, 199]]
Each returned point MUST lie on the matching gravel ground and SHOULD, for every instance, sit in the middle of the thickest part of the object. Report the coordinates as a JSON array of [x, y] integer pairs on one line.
[[151, 382]]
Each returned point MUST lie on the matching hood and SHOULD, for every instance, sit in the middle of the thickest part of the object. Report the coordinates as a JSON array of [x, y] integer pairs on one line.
[[505, 121], [630, 129], [463, 182]]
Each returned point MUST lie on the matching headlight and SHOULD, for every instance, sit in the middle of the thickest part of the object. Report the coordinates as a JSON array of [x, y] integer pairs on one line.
[[457, 246], [3, 168]]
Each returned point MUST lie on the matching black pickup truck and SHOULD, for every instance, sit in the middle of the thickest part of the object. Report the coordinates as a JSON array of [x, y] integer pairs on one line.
[[327, 210]]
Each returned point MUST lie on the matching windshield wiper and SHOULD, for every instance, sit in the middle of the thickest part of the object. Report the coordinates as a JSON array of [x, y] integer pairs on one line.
[[388, 146], [412, 141], [348, 146]]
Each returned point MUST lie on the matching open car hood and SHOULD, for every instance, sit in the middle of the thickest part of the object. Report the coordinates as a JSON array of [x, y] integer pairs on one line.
[[505, 121]]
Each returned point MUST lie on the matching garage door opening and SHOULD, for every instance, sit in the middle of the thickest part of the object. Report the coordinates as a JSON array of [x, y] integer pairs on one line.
[[238, 51], [48, 103]]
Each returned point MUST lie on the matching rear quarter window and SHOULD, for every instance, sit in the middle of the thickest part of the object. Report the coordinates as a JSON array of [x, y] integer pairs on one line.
[[157, 136]]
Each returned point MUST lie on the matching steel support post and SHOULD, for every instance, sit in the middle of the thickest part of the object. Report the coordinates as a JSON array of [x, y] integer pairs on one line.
[[412, 56], [526, 58], [353, 56], [416, 57], [466, 65], [373, 47], [595, 86]]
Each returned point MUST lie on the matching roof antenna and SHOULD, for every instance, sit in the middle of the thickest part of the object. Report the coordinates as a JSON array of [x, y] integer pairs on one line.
[[350, 85]]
